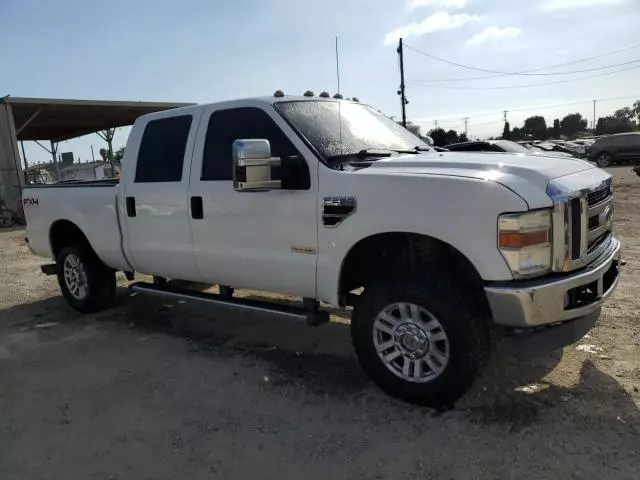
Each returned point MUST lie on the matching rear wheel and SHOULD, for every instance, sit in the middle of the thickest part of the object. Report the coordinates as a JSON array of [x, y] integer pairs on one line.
[[422, 342], [7, 218], [87, 284], [604, 159]]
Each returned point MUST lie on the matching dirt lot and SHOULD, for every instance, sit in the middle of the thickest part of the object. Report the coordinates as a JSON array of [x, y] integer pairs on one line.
[[153, 390]]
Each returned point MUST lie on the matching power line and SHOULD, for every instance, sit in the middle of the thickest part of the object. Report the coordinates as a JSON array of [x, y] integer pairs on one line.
[[529, 109], [505, 87], [526, 72], [614, 65]]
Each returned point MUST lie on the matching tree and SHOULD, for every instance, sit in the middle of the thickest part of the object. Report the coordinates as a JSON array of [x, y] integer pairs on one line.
[[554, 131], [506, 133], [536, 127], [625, 114], [104, 154], [572, 124], [451, 137], [614, 124], [463, 137], [636, 109], [439, 137], [118, 155], [516, 134]]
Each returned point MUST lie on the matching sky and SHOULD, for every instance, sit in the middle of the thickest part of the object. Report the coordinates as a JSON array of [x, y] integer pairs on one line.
[[209, 50]]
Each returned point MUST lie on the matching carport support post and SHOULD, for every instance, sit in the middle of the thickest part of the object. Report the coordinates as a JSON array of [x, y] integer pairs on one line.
[[11, 178], [24, 155], [54, 149]]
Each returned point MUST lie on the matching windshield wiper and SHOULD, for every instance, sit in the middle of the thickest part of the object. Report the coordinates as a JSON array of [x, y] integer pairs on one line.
[[371, 153]]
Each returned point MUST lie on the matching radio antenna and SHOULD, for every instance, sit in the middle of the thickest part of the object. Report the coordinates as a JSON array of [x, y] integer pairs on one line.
[[339, 102], [337, 65]]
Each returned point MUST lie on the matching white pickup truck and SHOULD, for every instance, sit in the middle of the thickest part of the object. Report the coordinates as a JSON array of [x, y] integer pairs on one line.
[[330, 200]]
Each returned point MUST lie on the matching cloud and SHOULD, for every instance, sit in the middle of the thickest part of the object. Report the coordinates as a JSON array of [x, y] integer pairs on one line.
[[558, 5], [493, 33], [442, 3], [433, 23]]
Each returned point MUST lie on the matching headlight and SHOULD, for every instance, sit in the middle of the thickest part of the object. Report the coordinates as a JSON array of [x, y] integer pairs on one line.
[[524, 239]]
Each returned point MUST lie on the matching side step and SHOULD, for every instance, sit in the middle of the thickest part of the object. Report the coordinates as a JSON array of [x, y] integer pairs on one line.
[[312, 315], [49, 269]]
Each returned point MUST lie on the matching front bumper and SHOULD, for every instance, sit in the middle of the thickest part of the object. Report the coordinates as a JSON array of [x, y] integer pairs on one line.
[[551, 300]]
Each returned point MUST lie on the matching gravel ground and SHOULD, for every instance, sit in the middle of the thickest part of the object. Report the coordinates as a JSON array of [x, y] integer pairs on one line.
[[153, 390]]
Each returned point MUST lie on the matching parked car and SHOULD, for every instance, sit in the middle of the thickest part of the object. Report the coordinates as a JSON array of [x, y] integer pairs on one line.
[[617, 148], [572, 148], [500, 146], [551, 148], [437, 252]]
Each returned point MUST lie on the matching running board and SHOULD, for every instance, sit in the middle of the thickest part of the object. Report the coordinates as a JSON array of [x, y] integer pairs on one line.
[[312, 316], [49, 269]]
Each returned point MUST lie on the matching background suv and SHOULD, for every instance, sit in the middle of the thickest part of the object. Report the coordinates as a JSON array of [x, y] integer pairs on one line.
[[621, 147]]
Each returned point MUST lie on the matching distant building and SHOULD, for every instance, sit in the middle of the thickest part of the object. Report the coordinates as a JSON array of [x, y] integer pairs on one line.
[[413, 128], [38, 175], [88, 171]]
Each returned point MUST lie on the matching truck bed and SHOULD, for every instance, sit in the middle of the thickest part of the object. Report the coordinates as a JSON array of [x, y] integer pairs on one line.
[[90, 206]]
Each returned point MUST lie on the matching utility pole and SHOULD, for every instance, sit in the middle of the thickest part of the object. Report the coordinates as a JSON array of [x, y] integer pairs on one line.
[[594, 116], [436, 123], [466, 122], [403, 98]]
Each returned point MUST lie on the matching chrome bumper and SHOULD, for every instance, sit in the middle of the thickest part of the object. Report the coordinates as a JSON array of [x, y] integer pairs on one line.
[[547, 301]]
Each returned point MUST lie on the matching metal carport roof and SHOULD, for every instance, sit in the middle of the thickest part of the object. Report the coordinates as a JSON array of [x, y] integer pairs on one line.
[[59, 119]]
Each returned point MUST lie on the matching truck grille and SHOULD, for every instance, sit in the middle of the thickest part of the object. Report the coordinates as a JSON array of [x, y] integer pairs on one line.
[[598, 195], [597, 217], [583, 222]]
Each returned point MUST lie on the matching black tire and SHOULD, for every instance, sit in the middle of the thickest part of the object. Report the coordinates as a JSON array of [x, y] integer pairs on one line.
[[604, 159], [100, 281], [466, 327], [8, 218]]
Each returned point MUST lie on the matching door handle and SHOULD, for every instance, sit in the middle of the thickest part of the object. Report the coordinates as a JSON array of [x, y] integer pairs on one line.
[[197, 212], [131, 206]]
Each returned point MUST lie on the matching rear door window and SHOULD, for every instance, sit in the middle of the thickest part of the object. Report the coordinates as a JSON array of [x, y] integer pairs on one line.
[[162, 150]]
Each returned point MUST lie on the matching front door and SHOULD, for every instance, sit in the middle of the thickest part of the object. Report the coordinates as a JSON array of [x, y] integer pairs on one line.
[[256, 240]]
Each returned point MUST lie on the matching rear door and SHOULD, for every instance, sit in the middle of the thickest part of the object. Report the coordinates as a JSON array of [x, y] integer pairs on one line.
[[158, 240], [622, 146], [634, 146]]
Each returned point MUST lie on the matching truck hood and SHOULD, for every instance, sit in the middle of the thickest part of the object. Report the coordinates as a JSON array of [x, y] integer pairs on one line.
[[521, 173]]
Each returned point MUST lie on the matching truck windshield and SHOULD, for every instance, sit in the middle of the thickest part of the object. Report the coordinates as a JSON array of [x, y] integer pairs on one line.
[[339, 129]]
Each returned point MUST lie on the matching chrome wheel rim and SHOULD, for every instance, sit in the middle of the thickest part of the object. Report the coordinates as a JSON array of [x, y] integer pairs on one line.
[[604, 159], [75, 276], [411, 342]]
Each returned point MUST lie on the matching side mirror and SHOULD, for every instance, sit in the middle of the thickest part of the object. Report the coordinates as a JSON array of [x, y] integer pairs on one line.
[[252, 162]]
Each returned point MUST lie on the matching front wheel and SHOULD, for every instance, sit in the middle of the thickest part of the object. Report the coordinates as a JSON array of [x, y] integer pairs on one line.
[[422, 342], [605, 159], [87, 284]]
